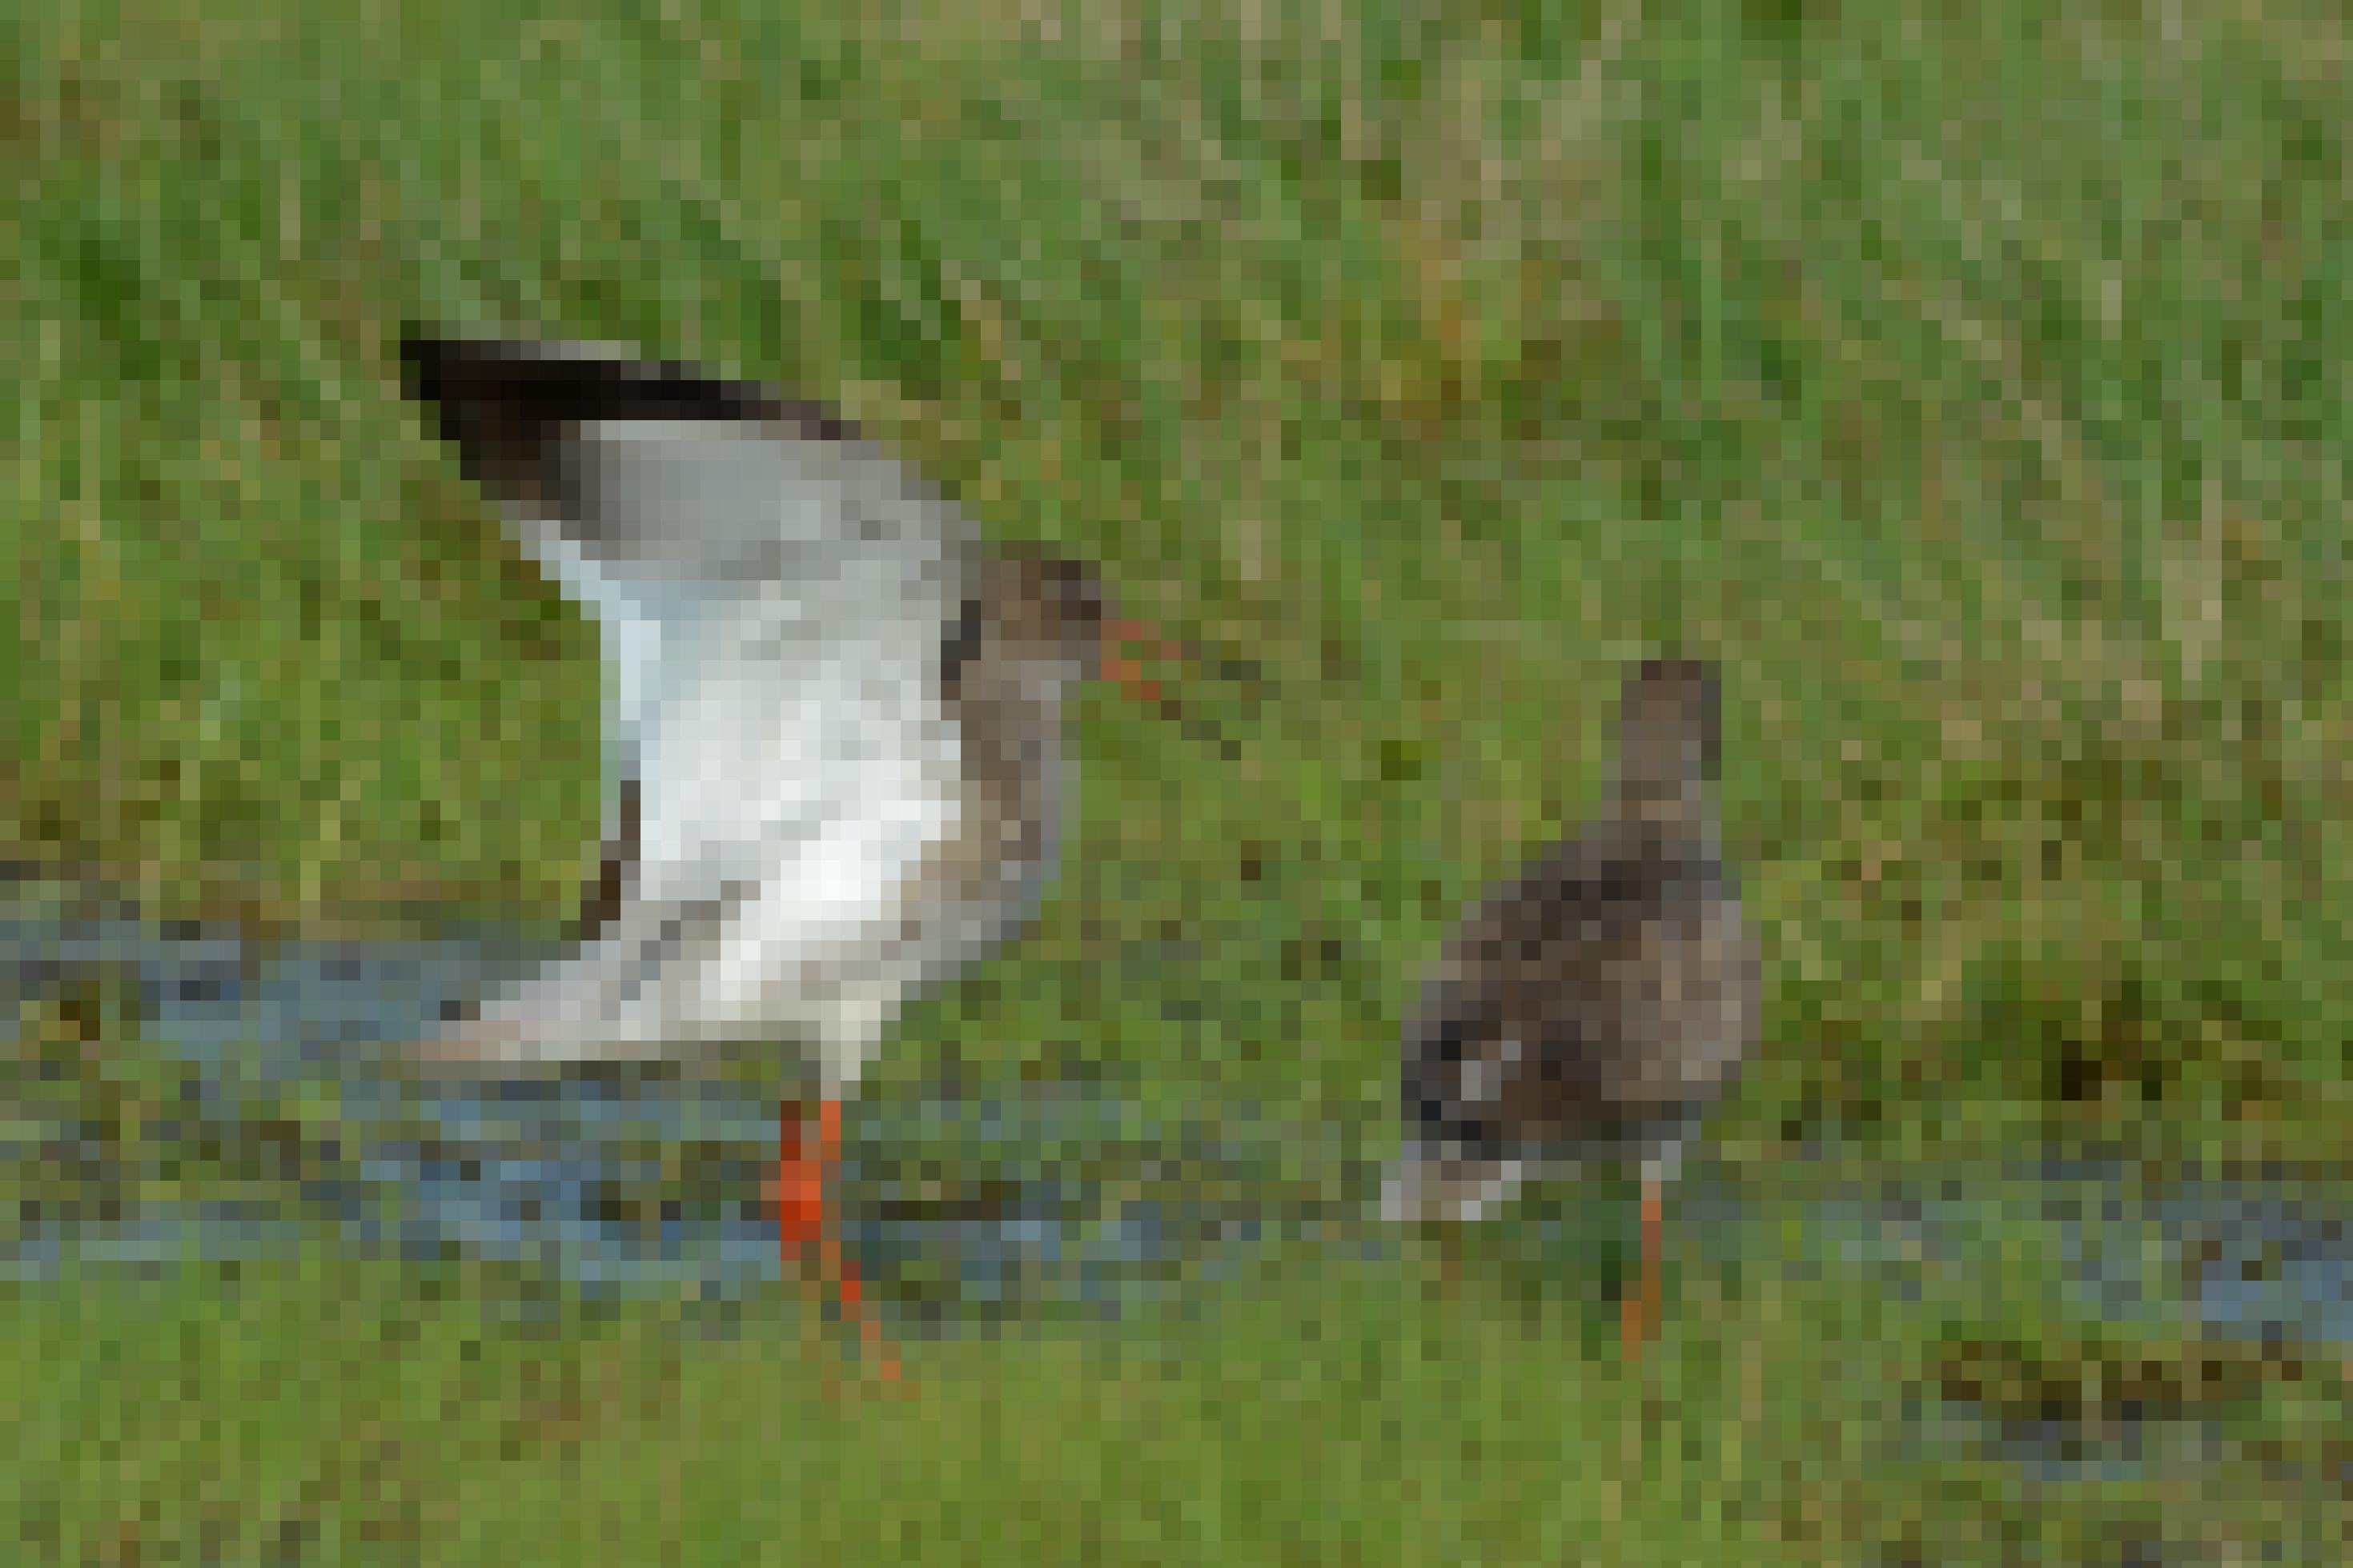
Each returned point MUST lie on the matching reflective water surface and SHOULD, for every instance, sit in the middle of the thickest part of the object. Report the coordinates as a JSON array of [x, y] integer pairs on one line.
[[1054, 1202]]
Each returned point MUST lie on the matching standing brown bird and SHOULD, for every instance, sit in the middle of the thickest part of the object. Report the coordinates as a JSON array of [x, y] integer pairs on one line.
[[1593, 1008], [832, 724]]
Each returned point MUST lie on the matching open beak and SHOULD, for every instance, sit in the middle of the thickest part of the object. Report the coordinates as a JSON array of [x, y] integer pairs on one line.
[[1123, 668], [1133, 649]]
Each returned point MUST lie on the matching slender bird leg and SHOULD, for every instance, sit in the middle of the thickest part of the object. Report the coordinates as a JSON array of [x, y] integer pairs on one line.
[[803, 1225], [1638, 1312]]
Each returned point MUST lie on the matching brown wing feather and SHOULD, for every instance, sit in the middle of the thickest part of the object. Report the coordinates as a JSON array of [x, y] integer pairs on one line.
[[1609, 985]]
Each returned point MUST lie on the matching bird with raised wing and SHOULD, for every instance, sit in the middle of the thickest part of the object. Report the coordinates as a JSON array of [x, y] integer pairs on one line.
[[832, 726]]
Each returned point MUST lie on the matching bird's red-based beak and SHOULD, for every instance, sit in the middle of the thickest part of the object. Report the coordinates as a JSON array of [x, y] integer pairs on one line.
[[1131, 648], [1128, 646]]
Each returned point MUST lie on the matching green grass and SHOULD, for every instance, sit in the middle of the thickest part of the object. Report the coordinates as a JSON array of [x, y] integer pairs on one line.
[[1972, 383], [339, 1412]]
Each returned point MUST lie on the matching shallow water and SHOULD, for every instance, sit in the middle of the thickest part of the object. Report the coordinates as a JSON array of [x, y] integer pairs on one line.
[[1057, 1200], [1062, 1198]]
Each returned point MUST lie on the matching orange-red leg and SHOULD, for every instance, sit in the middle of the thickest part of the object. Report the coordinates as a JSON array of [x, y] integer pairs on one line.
[[804, 1216], [1638, 1312]]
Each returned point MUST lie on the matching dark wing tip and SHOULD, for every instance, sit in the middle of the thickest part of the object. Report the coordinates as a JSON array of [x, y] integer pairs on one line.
[[444, 371], [533, 384], [424, 369], [481, 398]]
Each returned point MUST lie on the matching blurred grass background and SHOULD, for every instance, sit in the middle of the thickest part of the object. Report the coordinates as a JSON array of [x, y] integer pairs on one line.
[[1971, 380], [1973, 386]]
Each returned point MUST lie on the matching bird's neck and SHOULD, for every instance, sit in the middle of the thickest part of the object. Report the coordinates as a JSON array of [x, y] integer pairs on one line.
[[1009, 743], [1679, 809]]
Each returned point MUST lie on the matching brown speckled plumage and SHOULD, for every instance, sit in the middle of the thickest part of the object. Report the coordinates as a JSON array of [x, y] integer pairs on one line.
[[1594, 1006]]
